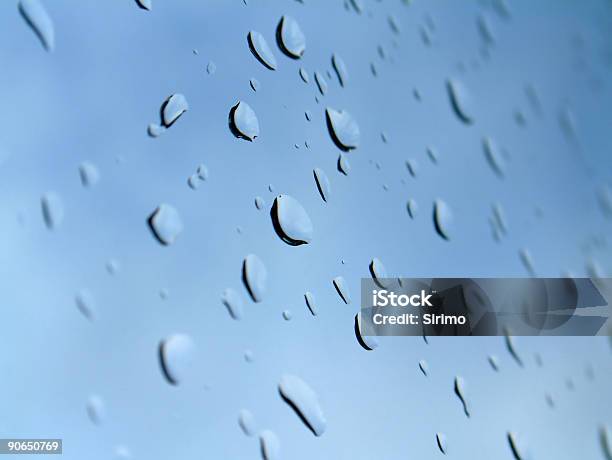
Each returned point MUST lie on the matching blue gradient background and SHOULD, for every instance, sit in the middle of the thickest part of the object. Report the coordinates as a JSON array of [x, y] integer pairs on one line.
[[92, 99]]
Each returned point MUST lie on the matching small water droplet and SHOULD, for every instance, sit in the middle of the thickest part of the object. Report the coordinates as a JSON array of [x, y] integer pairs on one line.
[[86, 304], [443, 218], [343, 164], [193, 181], [89, 174], [163, 293], [343, 130], [527, 261], [342, 289], [246, 421], [460, 392], [493, 361], [270, 445], [144, 4], [290, 220], [323, 184], [304, 401], [412, 207], [259, 202], [441, 441], [311, 303], [113, 266], [424, 367], [378, 272], [176, 356], [233, 302], [172, 108], [255, 85], [243, 122], [96, 410], [166, 224], [605, 440], [36, 16], [255, 277], [154, 130], [340, 69], [516, 451], [304, 75], [367, 342], [460, 101], [321, 83], [484, 29], [211, 68], [202, 172], [52, 210], [604, 196], [290, 38], [261, 50], [249, 357], [393, 25], [493, 156], [287, 315], [509, 340]]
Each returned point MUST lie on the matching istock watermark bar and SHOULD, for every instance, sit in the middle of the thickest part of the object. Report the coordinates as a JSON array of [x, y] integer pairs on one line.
[[485, 306]]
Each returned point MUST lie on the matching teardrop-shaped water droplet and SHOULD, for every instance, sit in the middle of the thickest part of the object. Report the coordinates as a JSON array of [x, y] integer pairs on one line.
[[412, 207], [172, 108], [246, 421], [261, 50], [290, 38], [233, 302], [443, 218], [441, 441], [166, 224], [304, 75], [177, 356], [287, 315], [343, 130], [311, 303], [340, 69], [460, 392], [343, 164], [89, 174], [86, 304], [322, 183], [424, 367], [243, 122], [514, 447], [255, 85], [460, 101], [321, 83], [52, 210], [378, 272], [290, 220], [367, 342], [342, 289], [35, 14], [145, 4], [255, 277], [259, 203], [155, 130], [270, 445], [303, 399], [493, 156], [96, 410]]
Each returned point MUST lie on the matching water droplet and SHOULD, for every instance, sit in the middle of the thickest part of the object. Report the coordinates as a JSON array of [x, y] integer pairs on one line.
[[605, 440], [493, 156], [255, 277], [303, 399], [441, 441], [113, 266], [89, 174], [322, 183], [243, 122], [52, 210], [255, 85], [604, 196], [493, 362], [86, 304], [172, 108], [321, 83], [342, 289], [155, 130], [246, 421], [367, 342], [527, 261], [343, 130], [378, 272], [443, 218], [233, 302], [412, 207], [509, 340], [287, 315], [290, 38], [193, 181], [484, 29], [357, 6], [176, 356], [340, 68], [144, 4], [432, 154], [512, 441], [271, 188], [424, 367], [166, 224], [202, 172], [304, 75], [460, 392], [499, 218], [270, 445], [211, 68], [259, 202], [249, 357], [311, 303], [460, 101], [96, 410], [261, 50], [290, 220], [393, 25], [343, 164], [35, 14]]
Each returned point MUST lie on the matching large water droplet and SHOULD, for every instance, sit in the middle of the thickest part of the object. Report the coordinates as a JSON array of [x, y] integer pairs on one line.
[[322, 183], [290, 38], [340, 68], [255, 277], [35, 14], [342, 289], [460, 101], [367, 342], [290, 220], [96, 410], [311, 303], [52, 210], [233, 302], [176, 356], [460, 392], [246, 421], [89, 174], [343, 129], [443, 218], [172, 108], [145, 4], [261, 50], [166, 224], [493, 156], [243, 122], [270, 445], [302, 398], [86, 304]]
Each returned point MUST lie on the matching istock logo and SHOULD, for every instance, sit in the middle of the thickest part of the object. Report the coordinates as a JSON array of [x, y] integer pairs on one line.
[[385, 298]]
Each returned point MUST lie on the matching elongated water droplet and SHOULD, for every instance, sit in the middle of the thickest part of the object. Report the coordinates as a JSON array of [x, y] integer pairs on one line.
[[460, 101], [527, 261], [303, 399], [89, 174], [246, 421], [177, 356], [321, 83], [441, 441], [270, 445], [322, 183], [493, 156], [233, 302], [311, 303], [145, 4], [290, 38], [211, 68], [413, 166], [35, 14], [443, 218], [172, 108], [378, 272], [499, 218], [367, 342], [287, 315], [96, 410], [412, 207], [342, 289], [343, 130], [604, 196], [509, 340], [340, 69], [255, 85], [304, 75], [255, 277], [202, 172], [605, 440], [86, 304], [484, 30], [52, 210], [290, 220], [493, 361], [460, 392], [259, 202], [343, 164], [516, 451], [193, 181], [243, 122], [166, 224], [424, 367], [261, 50]]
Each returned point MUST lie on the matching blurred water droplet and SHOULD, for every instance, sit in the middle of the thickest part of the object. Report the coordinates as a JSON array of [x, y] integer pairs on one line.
[[255, 277], [155, 130], [211, 68], [412, 207], [86, 304], [443, 218], [484, 29], [233, 302], [441, 441], [514, 447], [303, 399], [413, 166], [304, 75], [172, 108], [249, 357], [321, 83], [393, 25], [290, 220], [378, 272], [493, 156], [261, 50], [343, 130], [432, 154], [123, 453], [287, 315], [340, 69], [290, 38], [527, 261], [52, 210], [550, 402], [243, 122], [36, 16], [89, 174], [323, 184], [259, 202], [509, 340], [460, 392], [424, 367], [144, 4], [460, 101], [367, 342], [202, 172], [604, 196], [493, 361], [499, 218], [163, 294], [357, 5], [311, 303], [605, 440], [177, 356], [342, 289], [343, 164], [255, 85], [246, 421], [269, 445], [96, 410], [193, 181], [166, 224]]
